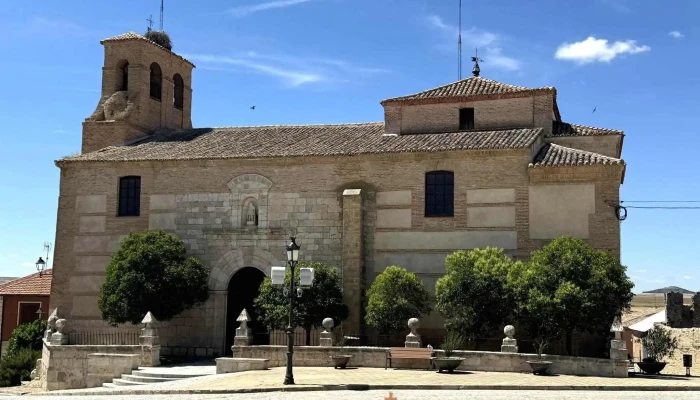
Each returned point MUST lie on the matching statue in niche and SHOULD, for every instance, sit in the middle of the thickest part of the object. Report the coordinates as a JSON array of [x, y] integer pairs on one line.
[[252, 215]]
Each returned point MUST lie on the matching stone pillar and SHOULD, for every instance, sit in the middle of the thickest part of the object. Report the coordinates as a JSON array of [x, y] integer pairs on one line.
[[150, 342], [674, 309], [243, 336], [326, 339], [696, 310], [509, 345], [413, 338], [618, 347], [352, 258]]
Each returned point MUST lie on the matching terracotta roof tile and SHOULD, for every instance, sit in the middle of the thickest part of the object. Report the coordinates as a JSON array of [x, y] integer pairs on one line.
[[135, 36], [566, 129], [29, 285], [554, 155], [302, 141], [469, 87]]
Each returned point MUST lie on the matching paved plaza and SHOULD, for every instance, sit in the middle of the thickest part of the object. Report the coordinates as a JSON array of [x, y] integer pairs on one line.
[[404, 395], [311, 379]]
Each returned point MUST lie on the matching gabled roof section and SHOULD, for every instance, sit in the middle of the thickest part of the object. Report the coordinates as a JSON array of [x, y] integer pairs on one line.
[[302, 141], [470, 88], [554, 155], [131, 35], [33, 285], [560, 129]]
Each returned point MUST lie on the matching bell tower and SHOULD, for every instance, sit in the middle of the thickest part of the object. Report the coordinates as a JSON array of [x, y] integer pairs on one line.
[[145, 88]]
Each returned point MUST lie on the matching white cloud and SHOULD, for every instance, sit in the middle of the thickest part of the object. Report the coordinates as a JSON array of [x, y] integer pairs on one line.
[[687, 277], [676, 35], [243, 11], [618, 5], [43, 26], [292, 71], [642, 270], [600, 50], [27, 264], [489, 43]]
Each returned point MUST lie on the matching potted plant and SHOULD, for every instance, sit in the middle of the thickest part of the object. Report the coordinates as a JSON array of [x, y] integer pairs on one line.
[[659, 343], [540, 366], [452, 342], [341, 360]]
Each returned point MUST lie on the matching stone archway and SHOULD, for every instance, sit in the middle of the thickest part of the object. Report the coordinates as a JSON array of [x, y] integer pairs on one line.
[[243, 288], [234, 260]]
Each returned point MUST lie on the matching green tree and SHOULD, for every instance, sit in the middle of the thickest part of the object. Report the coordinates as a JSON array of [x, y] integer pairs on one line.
[[26, 336], [151, 272], [324, 299], [583, 289], [473, 296], [659, 343], [394, 297]]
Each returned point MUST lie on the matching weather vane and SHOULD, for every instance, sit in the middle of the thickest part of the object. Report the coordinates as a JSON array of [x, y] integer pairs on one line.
[[476, 70], [150, 22]]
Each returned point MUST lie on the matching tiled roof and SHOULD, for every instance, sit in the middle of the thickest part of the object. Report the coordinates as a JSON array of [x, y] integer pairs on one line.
[[29, 285], [554, 155], [469, 87], [135, 36], [301, 141], [565, 129]]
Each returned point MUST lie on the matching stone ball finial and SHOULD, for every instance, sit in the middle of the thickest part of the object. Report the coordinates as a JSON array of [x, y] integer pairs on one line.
[[413, 323], [328, 323], [509, 330]]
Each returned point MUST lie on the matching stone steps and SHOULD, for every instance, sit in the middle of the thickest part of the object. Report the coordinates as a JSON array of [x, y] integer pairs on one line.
[[124, 382], [146, 379], [145, 376]]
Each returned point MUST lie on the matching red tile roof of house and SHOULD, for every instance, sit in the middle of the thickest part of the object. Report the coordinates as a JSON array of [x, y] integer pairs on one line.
[[29, 285]]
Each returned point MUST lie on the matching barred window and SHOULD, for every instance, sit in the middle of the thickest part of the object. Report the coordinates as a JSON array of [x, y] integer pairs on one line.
[[129, 196], [439, 194]]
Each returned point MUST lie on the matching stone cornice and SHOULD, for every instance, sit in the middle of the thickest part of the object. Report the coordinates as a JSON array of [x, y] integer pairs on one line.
[[480, 97], [577, 173]]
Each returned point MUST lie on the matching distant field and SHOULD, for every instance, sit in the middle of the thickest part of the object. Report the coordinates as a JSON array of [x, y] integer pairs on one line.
[[655, 300]]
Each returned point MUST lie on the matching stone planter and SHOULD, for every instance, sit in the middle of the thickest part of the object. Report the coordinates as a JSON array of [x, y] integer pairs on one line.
[[539, 367], [340, 361], [651, 368], [448, 364]]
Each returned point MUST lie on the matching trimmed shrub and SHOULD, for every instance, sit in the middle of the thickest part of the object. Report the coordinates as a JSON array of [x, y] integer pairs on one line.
[[17, 367], [26, 336]]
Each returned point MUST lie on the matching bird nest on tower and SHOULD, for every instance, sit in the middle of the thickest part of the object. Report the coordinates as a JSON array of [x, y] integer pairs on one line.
[[161, 38]]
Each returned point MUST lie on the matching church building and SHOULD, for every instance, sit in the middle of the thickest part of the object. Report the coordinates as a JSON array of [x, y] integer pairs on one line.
[[470, 164]]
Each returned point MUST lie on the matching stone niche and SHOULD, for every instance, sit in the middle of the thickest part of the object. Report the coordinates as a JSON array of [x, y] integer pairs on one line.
[[249, 201]]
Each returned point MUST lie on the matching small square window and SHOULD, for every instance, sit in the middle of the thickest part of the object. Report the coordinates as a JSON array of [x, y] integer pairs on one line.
[[466, 119]]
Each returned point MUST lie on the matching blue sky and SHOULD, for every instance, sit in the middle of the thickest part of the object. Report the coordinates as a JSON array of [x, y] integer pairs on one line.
[[330, 61]]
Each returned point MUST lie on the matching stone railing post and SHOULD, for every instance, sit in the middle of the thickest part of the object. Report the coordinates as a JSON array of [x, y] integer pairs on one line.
[[326, 339], [413, 338], [509, 345], [150, 343], [243, 336], [618, 347]]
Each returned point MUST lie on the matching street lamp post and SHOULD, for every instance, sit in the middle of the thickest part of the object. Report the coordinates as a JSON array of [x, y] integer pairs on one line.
[[292, 260], [306, 276]]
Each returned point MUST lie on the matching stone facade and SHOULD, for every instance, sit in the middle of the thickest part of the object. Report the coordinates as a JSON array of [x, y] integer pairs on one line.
[[358, 213]]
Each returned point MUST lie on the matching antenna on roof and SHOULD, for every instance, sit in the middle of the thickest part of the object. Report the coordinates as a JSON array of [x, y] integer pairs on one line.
[[161, 15], [476, 70], [459, 44]]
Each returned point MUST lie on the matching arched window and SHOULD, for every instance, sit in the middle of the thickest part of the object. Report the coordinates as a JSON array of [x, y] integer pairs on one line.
[[156, 81], [129, 196], [122, 78], [439, 194], [179, 92]]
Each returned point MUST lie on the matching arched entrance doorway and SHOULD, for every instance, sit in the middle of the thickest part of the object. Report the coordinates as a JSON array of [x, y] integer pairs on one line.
[[243, 288]]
